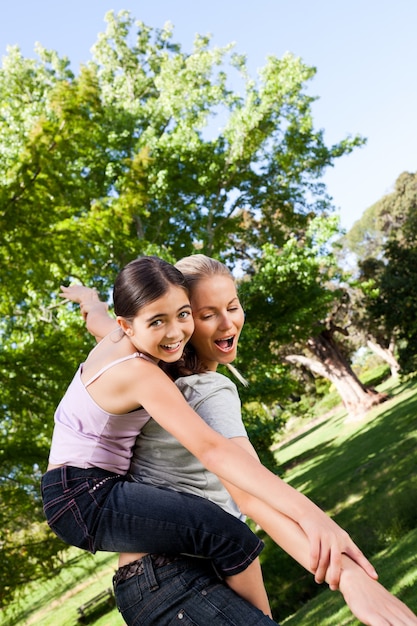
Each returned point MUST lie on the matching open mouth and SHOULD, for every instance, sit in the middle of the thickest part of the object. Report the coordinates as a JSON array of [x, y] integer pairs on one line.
[[225, 344], [171, 347]]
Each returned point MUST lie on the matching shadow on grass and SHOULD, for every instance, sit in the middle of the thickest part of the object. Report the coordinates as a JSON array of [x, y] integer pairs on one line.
[[364, 475]]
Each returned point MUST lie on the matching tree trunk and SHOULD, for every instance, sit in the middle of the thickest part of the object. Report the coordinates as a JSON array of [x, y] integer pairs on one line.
[[387, 354], [331, 364]]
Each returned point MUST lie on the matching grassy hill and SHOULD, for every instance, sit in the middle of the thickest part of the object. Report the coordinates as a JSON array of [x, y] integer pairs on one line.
[[363, 473]]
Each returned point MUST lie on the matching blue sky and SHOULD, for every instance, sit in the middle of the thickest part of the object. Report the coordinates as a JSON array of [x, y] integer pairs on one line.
[[365, 52]]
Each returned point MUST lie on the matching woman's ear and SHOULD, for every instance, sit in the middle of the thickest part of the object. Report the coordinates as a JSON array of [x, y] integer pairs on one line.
[[125, 325]]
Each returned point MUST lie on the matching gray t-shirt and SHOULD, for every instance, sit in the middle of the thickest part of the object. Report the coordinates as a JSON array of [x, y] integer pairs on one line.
[[160, 460]]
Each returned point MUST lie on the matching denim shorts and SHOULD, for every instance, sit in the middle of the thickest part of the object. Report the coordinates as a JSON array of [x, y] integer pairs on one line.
[[186, 592], [94, 509]]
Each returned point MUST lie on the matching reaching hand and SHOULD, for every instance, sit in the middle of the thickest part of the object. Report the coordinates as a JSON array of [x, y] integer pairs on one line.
[[369, 601], [86, 297], [328, 543]]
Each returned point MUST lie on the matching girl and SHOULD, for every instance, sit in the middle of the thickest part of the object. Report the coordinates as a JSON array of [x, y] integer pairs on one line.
[[158, 459], [87, 500]]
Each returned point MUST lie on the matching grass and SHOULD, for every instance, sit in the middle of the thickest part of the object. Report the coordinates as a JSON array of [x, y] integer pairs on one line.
[[362, 473], [56, 601]]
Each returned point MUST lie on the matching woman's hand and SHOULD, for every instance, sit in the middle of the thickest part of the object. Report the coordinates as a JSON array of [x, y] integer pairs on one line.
[[369, 601]]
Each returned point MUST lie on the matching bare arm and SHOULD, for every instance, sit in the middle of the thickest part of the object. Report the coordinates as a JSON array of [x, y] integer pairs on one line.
[[238, 467], [224, 458], [368, 600], [95, 312], [320, 562]]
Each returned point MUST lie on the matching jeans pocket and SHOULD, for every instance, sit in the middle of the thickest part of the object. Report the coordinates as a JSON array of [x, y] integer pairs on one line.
[[128, 596]]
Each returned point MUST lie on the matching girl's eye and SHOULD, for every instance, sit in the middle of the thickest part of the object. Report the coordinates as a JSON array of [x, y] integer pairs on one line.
[[184, 314], [156, 323]]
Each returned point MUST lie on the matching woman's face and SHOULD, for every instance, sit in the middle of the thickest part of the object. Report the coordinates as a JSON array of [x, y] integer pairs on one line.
[[218, 320]]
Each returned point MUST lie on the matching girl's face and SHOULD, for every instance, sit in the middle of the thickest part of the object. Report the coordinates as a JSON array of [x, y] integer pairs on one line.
[[162, 328], [218, 319]]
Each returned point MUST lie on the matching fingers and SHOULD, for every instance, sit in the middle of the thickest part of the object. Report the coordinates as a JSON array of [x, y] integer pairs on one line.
[[79, 293], [329, 567], [356, 555]]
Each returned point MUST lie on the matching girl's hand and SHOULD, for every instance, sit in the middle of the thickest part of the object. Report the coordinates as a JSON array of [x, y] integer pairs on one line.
[[328, 543], [79, 294], [86, 297]]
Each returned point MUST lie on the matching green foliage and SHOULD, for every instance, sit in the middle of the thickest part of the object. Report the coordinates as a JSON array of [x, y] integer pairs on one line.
[[396, 301], [122, 160], [286, 299], [262, 425], [387, 277]]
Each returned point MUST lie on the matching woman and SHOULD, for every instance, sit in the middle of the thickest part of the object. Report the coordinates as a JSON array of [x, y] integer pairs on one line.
[[87, 500], [218, 321]]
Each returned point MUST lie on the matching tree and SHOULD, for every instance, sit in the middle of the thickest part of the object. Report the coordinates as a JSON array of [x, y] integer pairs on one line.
[[386, 276], [299, 286], [117, 161]]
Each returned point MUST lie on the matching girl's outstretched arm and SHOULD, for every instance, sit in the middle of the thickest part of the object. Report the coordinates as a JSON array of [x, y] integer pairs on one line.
[[231, 463], [225, 458], [94, 311]]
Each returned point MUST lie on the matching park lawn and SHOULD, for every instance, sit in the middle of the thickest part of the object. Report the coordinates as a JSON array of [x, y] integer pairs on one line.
[[397, 569], [362, 473], [55, 602]]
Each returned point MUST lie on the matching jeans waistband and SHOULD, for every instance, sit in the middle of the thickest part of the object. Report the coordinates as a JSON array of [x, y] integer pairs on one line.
[[136, 568]]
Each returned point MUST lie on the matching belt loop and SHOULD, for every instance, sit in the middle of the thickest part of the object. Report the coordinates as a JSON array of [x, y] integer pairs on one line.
[[64, 477], [150, 573]]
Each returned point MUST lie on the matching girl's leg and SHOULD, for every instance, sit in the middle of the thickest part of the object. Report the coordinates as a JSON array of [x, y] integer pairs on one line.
[[135, 517], [250, 586], [96, 510]]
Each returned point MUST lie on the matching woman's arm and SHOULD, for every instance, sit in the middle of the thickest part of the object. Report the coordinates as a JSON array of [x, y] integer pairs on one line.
[[224, 458], [235, 465], [368, 600]]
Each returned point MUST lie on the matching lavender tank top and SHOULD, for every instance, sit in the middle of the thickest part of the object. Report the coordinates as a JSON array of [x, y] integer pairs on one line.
[[87, 436]]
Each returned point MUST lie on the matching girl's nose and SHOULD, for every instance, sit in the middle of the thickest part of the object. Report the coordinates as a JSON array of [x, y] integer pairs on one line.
[[174, 330]]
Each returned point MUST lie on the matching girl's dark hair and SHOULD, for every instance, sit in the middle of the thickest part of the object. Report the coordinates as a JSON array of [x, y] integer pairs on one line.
[[142, 281]]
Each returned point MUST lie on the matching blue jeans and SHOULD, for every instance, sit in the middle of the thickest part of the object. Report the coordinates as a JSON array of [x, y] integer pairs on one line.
[[186, 592], [94, 509]]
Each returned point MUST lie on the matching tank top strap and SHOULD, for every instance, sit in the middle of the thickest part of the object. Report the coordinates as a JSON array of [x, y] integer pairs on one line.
[[101, 371]]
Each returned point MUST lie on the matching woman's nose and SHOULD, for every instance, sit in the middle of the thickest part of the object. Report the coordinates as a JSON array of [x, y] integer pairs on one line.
[[225, 321]]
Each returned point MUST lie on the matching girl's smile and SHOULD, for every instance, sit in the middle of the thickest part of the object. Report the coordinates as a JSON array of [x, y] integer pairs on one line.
[[162, 328]]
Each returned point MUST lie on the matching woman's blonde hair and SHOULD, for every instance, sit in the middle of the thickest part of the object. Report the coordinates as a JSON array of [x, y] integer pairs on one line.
[[198, 266]]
